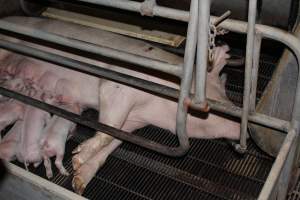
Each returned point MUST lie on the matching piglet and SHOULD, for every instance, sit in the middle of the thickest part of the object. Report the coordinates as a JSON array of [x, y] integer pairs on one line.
[[54, 139], [29, 147]]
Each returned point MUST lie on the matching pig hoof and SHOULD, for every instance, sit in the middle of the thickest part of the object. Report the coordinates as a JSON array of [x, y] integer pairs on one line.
[[76, 162], [77, 150], [78, 185]]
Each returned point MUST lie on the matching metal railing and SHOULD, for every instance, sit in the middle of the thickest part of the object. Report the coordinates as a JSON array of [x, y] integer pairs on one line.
[[196, 38]]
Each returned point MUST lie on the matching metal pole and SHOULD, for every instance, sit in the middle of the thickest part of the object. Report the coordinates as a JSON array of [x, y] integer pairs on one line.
[[202, 54], [134, 6], [249, 64], [254, 75], [186, 80], [95, 49]]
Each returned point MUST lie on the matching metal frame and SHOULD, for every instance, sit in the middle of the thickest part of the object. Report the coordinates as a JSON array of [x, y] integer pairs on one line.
[[196, 32]]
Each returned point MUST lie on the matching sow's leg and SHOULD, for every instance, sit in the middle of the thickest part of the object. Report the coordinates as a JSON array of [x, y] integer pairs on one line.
[[116, 102]]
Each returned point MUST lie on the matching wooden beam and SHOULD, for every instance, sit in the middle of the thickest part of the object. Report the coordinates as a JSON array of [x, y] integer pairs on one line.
[[115, 27]]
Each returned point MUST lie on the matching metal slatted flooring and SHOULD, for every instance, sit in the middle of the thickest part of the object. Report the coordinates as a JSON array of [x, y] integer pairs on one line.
[[211, 170]]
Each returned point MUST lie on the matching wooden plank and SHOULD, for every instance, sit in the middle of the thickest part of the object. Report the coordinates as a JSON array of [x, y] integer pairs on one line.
[[115, 27]]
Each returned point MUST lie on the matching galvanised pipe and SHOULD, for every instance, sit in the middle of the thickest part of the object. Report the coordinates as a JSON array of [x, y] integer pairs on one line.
[[187, 75], [254, 75], [248, 72], [202, 54], [96, 49], [134, 6]]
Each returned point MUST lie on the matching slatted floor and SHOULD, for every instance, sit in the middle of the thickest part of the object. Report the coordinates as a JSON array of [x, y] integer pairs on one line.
[[211, 170]]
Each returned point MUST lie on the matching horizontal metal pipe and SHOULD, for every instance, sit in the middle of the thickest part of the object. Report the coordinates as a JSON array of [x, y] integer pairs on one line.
[[96, 49], [89, 69], [256, 118], [134, 6], [138, 83], [122, 135]]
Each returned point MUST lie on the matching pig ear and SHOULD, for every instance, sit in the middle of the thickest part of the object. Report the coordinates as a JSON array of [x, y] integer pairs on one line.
[[220, 59]]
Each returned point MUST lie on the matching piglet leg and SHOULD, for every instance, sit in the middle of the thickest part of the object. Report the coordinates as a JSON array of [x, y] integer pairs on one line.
[[115, 104], [115, 107]]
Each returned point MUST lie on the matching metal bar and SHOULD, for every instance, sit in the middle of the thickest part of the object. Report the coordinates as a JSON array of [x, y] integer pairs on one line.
[[286, 153], [248, 69], [134, 6], [257, 118], [186, 80], [202, 54], [254, 76], [89, 69], [96, 49], [98, 71], [222, 18], [285, 37], [122, 135]]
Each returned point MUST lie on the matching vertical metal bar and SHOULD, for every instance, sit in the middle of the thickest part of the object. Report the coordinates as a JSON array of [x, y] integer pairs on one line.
[[202, 53], [186, 81], [256, 56], [249, 63]]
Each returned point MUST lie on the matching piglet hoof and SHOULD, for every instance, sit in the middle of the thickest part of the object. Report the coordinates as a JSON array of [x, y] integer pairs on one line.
[[49, 175], [78, 185]]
